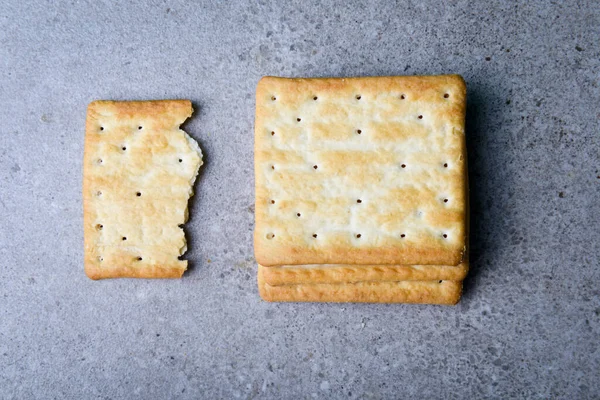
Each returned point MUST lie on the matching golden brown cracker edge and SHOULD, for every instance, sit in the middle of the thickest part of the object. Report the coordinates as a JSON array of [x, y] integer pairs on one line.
[[310, 274], [416, 292]]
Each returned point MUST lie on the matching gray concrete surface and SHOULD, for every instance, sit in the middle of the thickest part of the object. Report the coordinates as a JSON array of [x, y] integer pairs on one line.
[[529, 323]]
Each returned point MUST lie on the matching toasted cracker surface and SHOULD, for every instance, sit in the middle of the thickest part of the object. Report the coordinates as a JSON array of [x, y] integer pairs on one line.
[[138, 174], [360, 171]]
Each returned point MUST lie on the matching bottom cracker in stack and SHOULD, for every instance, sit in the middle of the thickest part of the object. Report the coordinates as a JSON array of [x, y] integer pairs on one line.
[[424, 292], [309, 274], [426, 284]]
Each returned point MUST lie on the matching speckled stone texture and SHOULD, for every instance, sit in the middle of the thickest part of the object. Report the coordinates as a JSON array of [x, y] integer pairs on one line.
[[529, 323]]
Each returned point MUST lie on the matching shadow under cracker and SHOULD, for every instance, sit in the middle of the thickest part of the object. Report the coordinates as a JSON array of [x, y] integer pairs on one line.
[[190, 235], [484, 186]]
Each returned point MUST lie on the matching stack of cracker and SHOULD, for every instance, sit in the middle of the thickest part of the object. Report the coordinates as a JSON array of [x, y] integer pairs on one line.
[[361, 189]]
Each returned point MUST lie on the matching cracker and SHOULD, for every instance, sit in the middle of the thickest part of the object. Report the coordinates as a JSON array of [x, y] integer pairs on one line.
[[423, 292], [138, 174], [310, 274], [360, 171]]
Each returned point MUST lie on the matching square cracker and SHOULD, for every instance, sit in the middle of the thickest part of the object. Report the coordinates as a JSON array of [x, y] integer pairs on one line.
[[360, 171], [423, 292], [336, 273], [138, 174]]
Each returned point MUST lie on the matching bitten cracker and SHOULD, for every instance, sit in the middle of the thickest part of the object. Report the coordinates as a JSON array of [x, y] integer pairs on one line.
[[138, 174], [311, 274], [423, 292], [360, 171]]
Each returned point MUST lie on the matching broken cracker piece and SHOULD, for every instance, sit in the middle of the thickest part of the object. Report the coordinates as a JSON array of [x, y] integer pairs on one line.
[[138, 174]]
